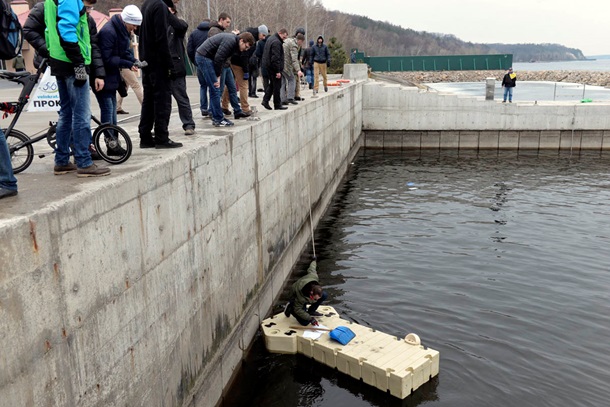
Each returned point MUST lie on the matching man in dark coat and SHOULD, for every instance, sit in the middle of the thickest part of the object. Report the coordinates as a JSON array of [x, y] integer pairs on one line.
[[260, 34], [508, 83], [176, 33], [154, 49], [320, 60], [198, 37], [273, 63], [113, 40], [211, 58]]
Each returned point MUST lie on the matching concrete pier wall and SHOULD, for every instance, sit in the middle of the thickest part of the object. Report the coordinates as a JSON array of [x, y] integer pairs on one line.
[[397, 116], [145, 288]]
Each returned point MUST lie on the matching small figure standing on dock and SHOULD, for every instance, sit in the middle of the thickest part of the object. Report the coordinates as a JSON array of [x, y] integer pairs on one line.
[[306, 291], [509, 82]]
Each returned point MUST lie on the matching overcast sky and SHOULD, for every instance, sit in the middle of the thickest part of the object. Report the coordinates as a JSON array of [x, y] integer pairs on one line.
[[583, 24]]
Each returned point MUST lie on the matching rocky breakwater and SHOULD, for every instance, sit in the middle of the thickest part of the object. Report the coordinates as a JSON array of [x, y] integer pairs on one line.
[[596, 78]]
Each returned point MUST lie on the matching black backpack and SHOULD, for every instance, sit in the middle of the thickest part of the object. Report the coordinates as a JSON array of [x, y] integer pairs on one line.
[[11, 33]]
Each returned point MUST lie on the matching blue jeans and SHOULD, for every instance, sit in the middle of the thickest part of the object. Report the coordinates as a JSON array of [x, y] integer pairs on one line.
[[74, 123], [206, 65], [508, 91], [227, 78], [203, 90], [309, 75], [7, 178], [107, 102]]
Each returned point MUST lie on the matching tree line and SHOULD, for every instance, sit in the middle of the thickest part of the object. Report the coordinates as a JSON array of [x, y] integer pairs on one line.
[[375, 38]]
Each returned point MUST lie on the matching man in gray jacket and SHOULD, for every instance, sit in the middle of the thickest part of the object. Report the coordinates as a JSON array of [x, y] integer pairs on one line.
[[292, 69]]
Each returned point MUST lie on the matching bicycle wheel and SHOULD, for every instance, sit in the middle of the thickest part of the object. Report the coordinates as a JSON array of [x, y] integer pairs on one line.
[[112, 143], [51, 135], [21, 155]]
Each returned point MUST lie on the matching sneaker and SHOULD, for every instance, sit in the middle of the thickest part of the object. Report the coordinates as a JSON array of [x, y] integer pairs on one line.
[[205, 113], [239, 115], [94, 154], [64, 169], [299, 98], [504, 101], [116, 152], [92, 171], [287, 310], [227, 112], [189, 132], [325, 88], [223, 123]]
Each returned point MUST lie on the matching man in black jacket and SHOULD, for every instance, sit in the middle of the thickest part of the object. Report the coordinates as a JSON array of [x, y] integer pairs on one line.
[[320, 60], [154, 49], [176, 33], [508, 83], [273, 63], [211, 58]]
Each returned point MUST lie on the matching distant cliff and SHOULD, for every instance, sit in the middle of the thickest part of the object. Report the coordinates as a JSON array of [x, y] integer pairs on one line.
[[538, 52], [375, 38]]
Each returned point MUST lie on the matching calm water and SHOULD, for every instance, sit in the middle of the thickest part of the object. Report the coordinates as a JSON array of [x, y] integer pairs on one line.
[[499, 262]]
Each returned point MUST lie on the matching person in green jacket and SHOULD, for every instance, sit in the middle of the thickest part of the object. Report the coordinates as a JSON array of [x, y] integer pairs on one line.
[[306, 291]]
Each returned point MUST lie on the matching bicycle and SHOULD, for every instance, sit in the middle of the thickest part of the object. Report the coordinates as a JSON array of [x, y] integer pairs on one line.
[[112, 142]]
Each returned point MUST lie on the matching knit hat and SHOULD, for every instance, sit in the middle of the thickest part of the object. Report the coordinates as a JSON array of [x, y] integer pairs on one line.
[[262, 29], [132, 15]]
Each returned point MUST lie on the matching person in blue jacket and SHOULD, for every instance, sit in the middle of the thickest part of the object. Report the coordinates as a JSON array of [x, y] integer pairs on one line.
[[68, 41]]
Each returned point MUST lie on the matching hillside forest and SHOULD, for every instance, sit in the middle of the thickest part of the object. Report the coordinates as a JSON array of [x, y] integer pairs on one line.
[[375, 38]]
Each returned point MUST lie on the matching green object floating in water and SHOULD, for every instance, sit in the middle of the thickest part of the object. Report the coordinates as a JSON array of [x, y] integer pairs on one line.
[[586, 101]]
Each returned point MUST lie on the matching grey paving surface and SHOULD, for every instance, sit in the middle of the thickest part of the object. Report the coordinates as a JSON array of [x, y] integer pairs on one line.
[[38, 186]]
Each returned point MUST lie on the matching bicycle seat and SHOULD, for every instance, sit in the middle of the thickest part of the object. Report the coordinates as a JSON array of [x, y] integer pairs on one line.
[[13, 76]]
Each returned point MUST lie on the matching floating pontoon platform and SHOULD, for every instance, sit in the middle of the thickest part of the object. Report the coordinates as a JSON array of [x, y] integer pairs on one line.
[[398, 366]]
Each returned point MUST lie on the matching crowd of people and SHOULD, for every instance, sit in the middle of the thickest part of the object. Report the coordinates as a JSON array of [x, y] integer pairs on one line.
[[228, 63]]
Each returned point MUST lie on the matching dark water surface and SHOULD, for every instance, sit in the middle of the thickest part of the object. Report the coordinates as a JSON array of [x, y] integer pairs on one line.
[[500, 262]]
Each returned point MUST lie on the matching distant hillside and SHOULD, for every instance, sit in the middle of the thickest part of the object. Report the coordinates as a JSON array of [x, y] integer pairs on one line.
[[378, 38], [375, 38], [538, 52]]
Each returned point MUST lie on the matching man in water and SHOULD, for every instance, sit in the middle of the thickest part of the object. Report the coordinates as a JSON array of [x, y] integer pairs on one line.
[[306, 291]]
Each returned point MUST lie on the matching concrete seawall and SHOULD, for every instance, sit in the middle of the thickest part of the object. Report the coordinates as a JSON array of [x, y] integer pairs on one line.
[[397, 116], [145, 288]]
